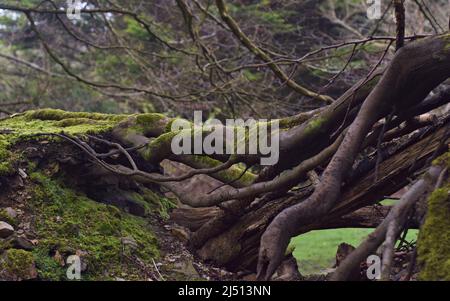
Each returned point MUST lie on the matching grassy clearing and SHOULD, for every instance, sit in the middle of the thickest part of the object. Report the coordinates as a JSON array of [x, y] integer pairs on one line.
[[315, 251]]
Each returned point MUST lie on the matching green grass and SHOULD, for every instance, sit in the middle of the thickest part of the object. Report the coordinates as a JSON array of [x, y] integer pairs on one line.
[[315, 251]]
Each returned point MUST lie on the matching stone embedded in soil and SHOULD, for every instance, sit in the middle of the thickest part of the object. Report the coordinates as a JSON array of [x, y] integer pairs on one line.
[[20, 242], [17, 242], [11, 212], [129, 241], [6, 230], [187, 269]]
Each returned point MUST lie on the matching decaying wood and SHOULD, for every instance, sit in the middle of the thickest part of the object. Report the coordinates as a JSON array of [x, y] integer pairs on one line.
[[242, 238], [406, 82]]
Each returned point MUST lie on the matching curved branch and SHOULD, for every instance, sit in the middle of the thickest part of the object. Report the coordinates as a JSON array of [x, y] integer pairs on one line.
[[245, 40], [405, 83], [396, 215]]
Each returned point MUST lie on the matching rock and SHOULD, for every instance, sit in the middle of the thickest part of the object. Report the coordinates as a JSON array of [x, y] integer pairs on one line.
[[187, 269], [22, 173], [11, 212], [6, 230], [129, 241], [83, 257], [17, 265], [21, 242]]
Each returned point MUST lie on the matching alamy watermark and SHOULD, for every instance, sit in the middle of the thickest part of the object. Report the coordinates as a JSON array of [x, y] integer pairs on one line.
[[74, 9], [236, 136], [373, 267], [74, 269], [374, 9]]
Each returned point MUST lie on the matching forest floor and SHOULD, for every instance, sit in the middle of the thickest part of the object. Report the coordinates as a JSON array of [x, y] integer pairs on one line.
[[50, 220]]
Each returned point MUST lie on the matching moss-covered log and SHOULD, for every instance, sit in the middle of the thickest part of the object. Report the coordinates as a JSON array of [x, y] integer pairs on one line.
[[434, 237], [63, 205]]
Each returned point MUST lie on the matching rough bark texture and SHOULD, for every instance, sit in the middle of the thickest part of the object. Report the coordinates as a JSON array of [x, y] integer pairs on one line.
[[244, 235], [405, 83]]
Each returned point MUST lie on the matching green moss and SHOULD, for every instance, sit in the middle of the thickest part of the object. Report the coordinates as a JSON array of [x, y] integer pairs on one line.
[[6, 162], [5, 217], [149, 119], [160, 147], [446, 38], [169, 125], [443, 160], [18, 263], [149, 124], [48, 268], [434, 237], [443, 53], [74, 121], [139, 200], [158, 203], [68, 222], [228, 175], [27, 125], [447, 45], [289, 122], [55, 114], [315, 125]]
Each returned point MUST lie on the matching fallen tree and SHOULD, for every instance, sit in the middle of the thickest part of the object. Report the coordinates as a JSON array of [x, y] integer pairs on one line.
[[291, 203], [335, 162]]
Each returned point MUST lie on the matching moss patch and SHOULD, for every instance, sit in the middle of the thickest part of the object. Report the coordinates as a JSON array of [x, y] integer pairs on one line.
[[55, 114], [443, 160], [446, 38], [6, 157], [17, 264], [75, 121], [43, 121], [434, 237], [149, 119], [26, 125], [157, 203], [67, 223], [153, 124], [315, 125], [228, 175]]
